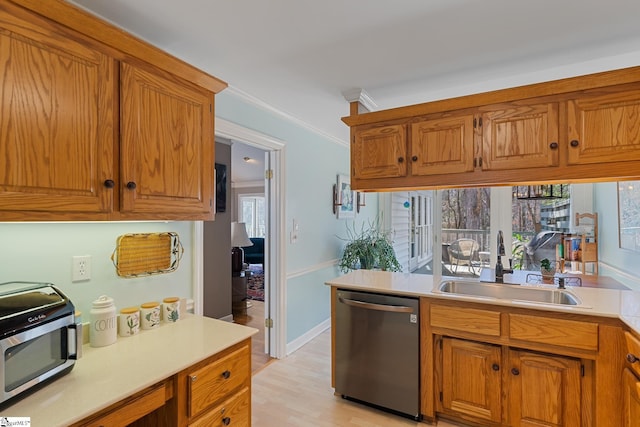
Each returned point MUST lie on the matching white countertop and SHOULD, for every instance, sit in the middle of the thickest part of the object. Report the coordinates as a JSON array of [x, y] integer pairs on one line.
[[623, 304], [106, 375]]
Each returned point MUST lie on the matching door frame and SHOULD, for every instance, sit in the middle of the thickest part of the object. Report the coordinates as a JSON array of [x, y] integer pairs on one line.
[[275, 290]]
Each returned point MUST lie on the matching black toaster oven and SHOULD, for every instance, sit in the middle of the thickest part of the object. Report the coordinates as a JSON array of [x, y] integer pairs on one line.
[[39, 338]]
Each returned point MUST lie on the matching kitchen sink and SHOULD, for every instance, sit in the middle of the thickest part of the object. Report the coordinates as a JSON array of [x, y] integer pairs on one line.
[[510, 292]]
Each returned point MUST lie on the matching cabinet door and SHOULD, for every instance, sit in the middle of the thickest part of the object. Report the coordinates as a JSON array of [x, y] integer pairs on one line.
[[471, 383], [604, 127], [167, 151], [442, 146], [519, 136], [379, 152], [631, 399], [56, 119], [543, 390]]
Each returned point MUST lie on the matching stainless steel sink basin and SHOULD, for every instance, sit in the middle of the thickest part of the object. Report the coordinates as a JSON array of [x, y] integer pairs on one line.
[[510, 292]]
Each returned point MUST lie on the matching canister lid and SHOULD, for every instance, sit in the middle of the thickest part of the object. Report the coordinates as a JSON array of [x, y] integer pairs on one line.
[[103, 302], [171, 299], [150, 304], [129, 310]]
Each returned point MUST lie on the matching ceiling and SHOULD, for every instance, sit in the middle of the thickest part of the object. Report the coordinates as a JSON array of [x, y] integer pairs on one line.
[[299, 56]]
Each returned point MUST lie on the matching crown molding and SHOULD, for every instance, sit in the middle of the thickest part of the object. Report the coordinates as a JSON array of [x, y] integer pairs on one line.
[[271, 109], [233, 131], [359, 95]]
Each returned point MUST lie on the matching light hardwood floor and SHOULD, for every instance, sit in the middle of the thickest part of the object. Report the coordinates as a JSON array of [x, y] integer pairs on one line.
[[296, 391], [255, 318]]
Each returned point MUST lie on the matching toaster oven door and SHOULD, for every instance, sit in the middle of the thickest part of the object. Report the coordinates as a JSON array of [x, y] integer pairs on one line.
[[36, 355]]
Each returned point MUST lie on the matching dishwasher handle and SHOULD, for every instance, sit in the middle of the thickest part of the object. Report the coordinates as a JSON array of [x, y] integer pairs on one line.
[[378, 307]]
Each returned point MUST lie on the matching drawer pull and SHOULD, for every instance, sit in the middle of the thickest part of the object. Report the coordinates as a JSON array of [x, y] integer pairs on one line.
[[632, 358], [226, 421], [226, 375], [194, 378]]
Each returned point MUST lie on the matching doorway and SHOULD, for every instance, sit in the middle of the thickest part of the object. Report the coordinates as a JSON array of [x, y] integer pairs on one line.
[[274, 153]]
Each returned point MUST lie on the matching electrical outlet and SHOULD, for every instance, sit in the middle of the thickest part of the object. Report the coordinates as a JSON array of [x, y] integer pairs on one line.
[[81, 268]]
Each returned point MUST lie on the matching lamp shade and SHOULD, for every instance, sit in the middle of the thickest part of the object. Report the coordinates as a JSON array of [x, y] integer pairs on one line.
[[239, 237]]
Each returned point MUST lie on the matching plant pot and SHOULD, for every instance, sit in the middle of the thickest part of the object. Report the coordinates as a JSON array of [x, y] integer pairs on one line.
[[547, 275]]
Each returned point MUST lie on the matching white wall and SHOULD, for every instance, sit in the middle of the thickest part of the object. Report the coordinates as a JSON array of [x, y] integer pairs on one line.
[[312, 162], [41, 252], [622, 264]]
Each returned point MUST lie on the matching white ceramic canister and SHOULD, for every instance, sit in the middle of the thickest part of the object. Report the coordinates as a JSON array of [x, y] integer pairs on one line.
[[171, 309], [129, 321], [104, 327], [150, 315]]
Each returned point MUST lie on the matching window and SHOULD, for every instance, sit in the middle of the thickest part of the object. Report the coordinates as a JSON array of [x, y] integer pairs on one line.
[[252, 212]]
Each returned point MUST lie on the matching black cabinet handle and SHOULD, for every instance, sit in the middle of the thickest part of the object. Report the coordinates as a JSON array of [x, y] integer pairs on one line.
[[400, 159], [109, 183], [515, 371], [226, 375], [631, 358], [414, 158], [553, 145], [226, 421], [131, 185], [495, 367], [574, 143]]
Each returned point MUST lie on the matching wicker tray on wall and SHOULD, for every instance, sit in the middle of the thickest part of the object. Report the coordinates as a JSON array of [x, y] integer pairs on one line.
[[145, 254]]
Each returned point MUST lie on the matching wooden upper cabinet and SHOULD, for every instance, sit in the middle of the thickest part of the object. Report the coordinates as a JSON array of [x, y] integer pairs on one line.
[[442, 145], [56, 120], [519, 136], [543, 390], [604, 126], [379, 152], [167, 152]]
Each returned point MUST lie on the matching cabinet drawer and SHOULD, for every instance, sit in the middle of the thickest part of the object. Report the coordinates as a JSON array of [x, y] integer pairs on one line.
[[633, 350], [233, 412], [132, 409], [473, 320], [545, 330], [214, 382]]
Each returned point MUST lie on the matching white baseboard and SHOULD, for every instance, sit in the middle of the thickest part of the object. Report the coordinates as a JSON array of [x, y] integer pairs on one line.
[[302, 340]]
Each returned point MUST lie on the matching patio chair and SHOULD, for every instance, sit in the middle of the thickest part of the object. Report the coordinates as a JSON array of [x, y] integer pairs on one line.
[[464, 252]]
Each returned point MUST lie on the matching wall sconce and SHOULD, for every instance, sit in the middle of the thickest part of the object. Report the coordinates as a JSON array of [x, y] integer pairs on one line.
[[336, 199], [360, 201]]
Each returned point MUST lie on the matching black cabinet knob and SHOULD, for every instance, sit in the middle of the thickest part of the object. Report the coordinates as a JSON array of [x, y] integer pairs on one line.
[[226, 375], [131, 185], [631, 358], [495, 367], [226, 421], [574, 143], [400, 159], [553, 145], [414, 158], [109, 183], [515, 371]]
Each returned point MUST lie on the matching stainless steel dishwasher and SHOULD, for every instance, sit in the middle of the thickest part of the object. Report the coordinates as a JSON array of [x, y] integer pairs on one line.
[[377, 341]]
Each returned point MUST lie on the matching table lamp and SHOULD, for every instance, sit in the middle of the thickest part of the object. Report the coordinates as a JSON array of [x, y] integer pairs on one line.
[[239, 238]]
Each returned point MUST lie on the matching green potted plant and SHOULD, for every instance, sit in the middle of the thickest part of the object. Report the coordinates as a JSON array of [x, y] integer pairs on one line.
[[547, 271], [370, 247]]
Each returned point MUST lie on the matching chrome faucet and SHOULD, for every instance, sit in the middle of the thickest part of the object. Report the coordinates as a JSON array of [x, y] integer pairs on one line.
[[500, 270]]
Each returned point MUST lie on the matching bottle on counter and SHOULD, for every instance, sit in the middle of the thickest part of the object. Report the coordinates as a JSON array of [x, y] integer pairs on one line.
[[104, 326]]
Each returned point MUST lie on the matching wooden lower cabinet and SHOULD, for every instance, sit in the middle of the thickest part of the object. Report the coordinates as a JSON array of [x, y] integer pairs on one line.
[[470, 379], [631, 399], [543, 390], [213, 392], [482, 383]]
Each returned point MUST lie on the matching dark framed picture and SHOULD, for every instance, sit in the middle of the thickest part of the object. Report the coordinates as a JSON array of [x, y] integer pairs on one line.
[[221, 187]]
